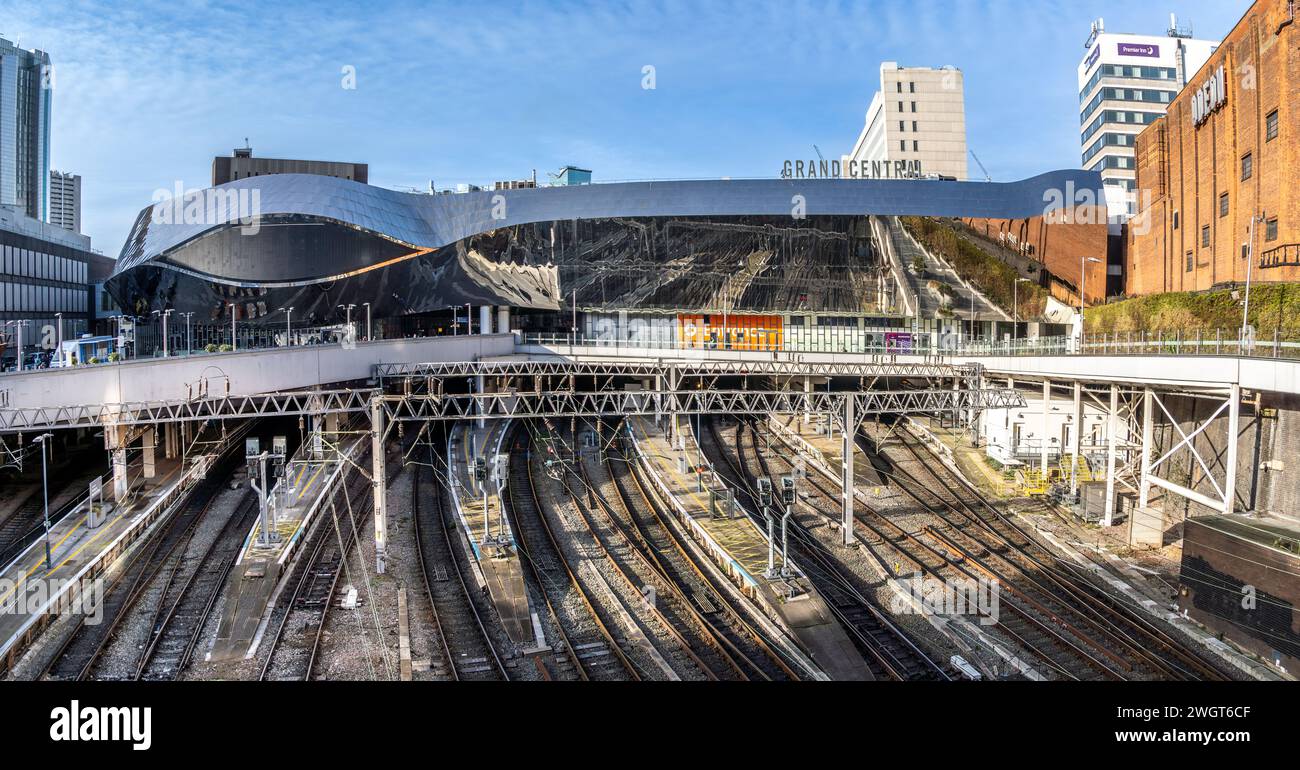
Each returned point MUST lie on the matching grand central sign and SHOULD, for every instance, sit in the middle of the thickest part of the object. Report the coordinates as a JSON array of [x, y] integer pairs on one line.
[[1209, 97], [853, 169]]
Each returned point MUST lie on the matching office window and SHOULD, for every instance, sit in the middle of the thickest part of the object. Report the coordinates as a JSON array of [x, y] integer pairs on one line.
[[1247, 166], [1270, 126], [914, 125], [911, 87], [902, 145], [1205, 237], [902, 126], [900, 86], [1223, 205], [1175, 220], [913, 106], [1270, 230], [900, 106], [1187, 263], [916, 146]]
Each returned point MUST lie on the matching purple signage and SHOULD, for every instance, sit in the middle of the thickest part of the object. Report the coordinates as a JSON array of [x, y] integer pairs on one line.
[[1149, 51]]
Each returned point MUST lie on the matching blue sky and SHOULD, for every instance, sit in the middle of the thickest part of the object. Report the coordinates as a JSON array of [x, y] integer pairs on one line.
[[147, 93]]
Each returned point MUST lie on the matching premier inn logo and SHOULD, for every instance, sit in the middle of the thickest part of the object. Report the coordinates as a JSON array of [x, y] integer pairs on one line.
[[103, 723]]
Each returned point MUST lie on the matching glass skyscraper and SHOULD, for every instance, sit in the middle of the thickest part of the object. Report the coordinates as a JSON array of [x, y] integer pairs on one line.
[[26, 87]]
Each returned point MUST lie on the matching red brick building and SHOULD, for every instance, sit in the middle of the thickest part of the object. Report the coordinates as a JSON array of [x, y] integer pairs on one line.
[[1227, 151]]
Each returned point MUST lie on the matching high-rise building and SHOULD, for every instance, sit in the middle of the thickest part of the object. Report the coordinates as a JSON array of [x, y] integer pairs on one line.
[[1126, 82], [65, 200], [919, 117], [241, 164], [26, 85]]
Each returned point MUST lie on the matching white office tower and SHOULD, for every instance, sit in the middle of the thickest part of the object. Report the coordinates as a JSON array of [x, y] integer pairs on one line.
[[919, 117], [65, 200], [1127, 81]]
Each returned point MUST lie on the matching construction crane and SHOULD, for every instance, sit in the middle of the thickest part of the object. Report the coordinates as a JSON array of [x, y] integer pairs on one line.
[[987, 178], [819, 153]]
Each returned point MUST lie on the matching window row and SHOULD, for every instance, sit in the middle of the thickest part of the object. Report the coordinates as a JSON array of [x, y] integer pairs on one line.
[[1108, 140], [1122, 71], [26, 298], [1119, 116], [911, 87], [902, 145], [35, 264], [1108, 93]]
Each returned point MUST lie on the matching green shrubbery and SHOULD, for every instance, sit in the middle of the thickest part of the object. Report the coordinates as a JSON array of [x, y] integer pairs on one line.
[[1274, 307], [994, 278]]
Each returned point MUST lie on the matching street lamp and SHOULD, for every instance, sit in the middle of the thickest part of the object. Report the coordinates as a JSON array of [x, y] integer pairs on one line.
[[288, 325], [369, 331], [166, 345], [1250, 261], [1015, 307], [234, 341], [189, 340], [1083, 290], [59, 338], [455, 324], [45, 487]]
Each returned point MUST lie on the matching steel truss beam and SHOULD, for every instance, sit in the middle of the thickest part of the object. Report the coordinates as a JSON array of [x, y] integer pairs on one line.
[[139, 412], [1224, 497], [524, 404], [612, 368]]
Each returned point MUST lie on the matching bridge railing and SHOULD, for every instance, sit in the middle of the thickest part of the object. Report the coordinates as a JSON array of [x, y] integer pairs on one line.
[[1201, 343]]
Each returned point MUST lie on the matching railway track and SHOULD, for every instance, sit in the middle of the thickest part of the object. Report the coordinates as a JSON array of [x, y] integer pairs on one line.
[[590, 647], [1112, 637], [26, 523], [888, 651], [678, 629], [81, 650], [463, 635], [295, 642], [187, 602], [642, 520]]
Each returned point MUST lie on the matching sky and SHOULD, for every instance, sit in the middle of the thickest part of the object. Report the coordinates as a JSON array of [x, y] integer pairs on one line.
[[147, 93]]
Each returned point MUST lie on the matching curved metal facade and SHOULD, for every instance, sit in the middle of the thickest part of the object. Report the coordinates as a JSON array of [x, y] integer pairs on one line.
[[318, 241]]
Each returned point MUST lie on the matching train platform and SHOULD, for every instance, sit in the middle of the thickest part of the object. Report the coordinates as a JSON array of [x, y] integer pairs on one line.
[[32, 595], [483, 521], [296, 501], [702, 505]]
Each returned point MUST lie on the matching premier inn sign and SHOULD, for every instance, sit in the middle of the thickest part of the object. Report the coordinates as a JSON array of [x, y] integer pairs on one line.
[[1209, 97]]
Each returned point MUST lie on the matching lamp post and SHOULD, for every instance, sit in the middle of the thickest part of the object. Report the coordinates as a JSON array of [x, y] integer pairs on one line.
[[234, 340], [1250, 261], [166, 341], [59, 337], [288, 325], [1083, 290], [189, 339], [369, 330], [45, 487], [347, 311], [1015, 307]]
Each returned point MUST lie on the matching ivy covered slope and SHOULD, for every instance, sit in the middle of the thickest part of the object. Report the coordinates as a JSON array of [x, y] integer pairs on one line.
[[1274, 307], [994, 278]]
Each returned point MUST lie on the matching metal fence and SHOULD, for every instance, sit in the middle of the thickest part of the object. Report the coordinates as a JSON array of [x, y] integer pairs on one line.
[[1201, 343]]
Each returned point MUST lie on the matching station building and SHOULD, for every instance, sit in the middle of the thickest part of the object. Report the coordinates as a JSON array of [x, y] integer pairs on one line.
[[1216, 175]]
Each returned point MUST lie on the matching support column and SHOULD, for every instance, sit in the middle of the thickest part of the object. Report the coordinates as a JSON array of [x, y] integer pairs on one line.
[[485, 319], [115, 436], [377, 483], [1234, 429], [1076, 439], [148, 464], [850, 430], [1148, 431], [807, 391], [1112, 429], [503, 319], [1047, 417]]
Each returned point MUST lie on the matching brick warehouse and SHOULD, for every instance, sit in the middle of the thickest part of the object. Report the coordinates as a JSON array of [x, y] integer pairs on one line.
[[1226, 151]]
